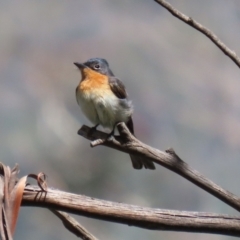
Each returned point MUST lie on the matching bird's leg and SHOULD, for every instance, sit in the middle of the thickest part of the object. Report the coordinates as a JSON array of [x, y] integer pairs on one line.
[[93, 129], [111, 134]]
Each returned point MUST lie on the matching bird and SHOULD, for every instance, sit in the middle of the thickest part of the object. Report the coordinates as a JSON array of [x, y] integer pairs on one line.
[[103, 99]]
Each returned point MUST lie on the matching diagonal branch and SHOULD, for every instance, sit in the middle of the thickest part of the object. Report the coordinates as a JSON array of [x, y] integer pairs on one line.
[[154, 219], [73, 226], [227, 51], [169, 159]]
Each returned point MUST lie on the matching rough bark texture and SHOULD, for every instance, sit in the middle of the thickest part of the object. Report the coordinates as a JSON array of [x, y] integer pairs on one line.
[[169, 159], [148, 218]]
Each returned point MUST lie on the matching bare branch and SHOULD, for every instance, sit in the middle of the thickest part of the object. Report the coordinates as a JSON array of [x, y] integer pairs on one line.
[[154, 219], [73, 226], [169, 159], [207, 32]]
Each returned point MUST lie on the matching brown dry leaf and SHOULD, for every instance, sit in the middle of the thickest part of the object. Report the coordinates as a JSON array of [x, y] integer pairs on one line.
[[11, 192], [2, 235], [15, 202]]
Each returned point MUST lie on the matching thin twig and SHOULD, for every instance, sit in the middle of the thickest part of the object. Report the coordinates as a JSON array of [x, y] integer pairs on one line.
[[73, 226], [207, 32], [148, 218], [169, 159]]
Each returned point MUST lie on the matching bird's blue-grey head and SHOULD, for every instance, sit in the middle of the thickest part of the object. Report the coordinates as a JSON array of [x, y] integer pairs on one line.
[[97, 64]]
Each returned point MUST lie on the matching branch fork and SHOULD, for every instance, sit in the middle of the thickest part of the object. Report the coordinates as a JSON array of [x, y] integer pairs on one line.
[[169, 159]]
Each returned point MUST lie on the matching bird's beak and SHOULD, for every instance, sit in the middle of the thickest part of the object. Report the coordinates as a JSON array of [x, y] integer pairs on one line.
[[79, 65]]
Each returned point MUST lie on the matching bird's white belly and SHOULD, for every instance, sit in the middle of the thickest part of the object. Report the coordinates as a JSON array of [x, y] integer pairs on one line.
[[104, 109]]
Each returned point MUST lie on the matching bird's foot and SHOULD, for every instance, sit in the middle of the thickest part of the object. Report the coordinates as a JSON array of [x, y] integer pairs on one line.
[[92, 130], [110, 136]]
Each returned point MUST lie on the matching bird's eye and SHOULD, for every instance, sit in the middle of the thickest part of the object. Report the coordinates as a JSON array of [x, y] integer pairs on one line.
[[96, 66]]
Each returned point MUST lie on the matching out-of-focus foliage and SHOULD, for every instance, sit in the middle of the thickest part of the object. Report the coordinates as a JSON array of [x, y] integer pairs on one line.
[[185, 93]]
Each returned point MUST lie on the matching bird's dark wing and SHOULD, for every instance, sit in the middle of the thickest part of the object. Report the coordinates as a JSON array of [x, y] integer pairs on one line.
[[117, 87]]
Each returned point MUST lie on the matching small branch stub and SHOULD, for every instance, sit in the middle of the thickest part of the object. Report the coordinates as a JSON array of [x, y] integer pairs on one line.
[[169, 159]]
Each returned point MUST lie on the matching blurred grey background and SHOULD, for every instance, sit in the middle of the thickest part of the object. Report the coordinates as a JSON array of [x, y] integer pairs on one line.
[[184, 89]]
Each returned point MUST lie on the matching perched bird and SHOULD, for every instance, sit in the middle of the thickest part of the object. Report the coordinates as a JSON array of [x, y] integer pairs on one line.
[[103, 99]]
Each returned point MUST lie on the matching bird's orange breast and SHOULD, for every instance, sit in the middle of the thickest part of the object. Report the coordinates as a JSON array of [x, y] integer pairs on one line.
[[93, 81]]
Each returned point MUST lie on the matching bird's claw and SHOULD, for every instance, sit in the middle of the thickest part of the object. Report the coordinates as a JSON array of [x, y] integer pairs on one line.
[[110, 137], [92, 130]]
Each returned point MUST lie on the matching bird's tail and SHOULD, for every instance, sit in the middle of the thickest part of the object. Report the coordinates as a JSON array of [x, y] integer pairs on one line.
[[139, 162]]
